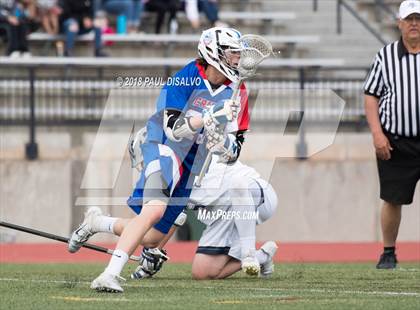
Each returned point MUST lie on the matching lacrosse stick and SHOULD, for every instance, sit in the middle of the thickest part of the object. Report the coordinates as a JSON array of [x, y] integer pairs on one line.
[[60, 238], [254, 49]]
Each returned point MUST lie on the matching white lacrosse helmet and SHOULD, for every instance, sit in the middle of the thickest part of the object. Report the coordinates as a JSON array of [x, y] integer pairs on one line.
[[214, 43]]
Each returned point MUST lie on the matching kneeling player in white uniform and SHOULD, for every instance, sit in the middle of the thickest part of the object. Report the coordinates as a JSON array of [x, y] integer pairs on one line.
[[233, 199], [228, 242]]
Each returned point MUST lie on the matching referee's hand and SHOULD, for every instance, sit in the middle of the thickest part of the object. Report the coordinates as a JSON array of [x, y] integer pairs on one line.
[[382, 146]]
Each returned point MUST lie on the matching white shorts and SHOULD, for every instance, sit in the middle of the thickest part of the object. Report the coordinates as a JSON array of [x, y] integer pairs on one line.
[[221, 237]]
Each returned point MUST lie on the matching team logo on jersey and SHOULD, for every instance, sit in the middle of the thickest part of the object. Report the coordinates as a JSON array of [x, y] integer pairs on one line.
[[203, 103]]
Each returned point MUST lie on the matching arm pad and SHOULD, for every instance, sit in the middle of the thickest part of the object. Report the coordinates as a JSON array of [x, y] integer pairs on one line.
[[177, 126]]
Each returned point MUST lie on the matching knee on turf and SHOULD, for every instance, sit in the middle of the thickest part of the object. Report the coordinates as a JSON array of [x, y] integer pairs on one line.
[[205, 273]]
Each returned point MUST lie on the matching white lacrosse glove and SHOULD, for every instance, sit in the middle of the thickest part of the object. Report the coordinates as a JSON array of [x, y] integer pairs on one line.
[[225, 147], [150, 263], [221, 113]]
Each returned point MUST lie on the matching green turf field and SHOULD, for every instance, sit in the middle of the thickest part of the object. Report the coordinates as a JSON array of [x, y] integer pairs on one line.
[[294, 286]]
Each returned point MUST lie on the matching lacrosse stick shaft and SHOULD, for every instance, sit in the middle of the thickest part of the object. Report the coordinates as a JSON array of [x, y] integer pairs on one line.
[[60, 238], [209, 155]]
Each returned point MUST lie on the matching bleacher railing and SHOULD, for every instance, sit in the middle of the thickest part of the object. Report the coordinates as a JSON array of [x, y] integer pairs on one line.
[[81, 101], [63, 98], [383, 9], [343, 4], [78, 101]]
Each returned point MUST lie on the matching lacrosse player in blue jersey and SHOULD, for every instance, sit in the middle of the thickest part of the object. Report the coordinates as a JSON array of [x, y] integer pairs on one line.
[[185, 127]]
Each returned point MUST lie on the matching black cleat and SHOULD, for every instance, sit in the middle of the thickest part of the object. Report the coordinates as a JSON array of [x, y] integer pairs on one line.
[[387, 261]]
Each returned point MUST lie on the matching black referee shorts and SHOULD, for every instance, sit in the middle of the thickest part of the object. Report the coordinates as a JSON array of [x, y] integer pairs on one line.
[[399, 175]]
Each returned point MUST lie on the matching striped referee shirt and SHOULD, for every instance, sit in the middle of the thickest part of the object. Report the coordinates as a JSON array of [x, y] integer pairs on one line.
[[395, 79]]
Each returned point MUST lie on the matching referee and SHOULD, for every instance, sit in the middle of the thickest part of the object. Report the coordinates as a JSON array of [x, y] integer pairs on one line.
[[392, 105]]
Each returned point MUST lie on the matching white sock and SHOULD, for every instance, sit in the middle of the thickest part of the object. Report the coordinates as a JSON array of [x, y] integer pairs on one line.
[[105, 224], [261, 256], [117, 262]]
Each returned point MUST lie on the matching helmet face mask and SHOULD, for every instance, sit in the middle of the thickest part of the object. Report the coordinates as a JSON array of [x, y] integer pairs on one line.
[[221, 49], [230, 57]]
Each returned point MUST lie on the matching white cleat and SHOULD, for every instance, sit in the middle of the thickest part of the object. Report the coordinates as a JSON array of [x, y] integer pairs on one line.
[[85, 230], [269, 248], [250, 264], [107, 283]]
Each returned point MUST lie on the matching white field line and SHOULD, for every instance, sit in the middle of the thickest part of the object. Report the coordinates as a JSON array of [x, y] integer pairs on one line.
[[325, 291], [87, 299]]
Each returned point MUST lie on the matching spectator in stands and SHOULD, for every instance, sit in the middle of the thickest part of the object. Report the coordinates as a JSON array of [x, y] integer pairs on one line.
[[49, 12], [130, 9], [161, 7], [101, 17], [77, 19], [392, 105], [208, 7], [18, 17]]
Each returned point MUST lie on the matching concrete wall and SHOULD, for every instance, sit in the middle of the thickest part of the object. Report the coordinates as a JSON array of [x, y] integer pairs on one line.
[[333, 196], [35, 193]]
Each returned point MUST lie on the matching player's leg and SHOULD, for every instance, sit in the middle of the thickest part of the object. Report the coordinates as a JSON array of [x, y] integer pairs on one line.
[[243, 206], [221, 262], [155, 201], [130, 238], [266, 207], [94, 222], [216, 266], [152, 256], [156, 239], [212, 260], [137, 227], [119, 226], [264, 204], [263, 255], [152, 210], [265, 199]]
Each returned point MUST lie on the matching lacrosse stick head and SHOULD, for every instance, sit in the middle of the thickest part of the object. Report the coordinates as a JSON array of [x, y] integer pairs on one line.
[[254, 49], [235, 56]]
